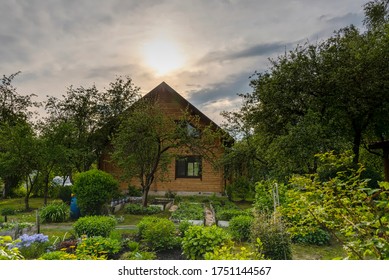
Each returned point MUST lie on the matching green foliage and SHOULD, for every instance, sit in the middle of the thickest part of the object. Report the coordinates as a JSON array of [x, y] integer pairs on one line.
[[199, 240], [138, 255], [354, 213], [273, 235], [189, 211], [183, 227], [94, 189], [240, 189], [58, 255], [55, 212], [94, 226], [228, 214], [137, 209], [97, 247], [240, 227], [64, 193], [317, 237], [134, 191], [233, 253], [7, 211], [158, 233], [8, 249], [265, 193]]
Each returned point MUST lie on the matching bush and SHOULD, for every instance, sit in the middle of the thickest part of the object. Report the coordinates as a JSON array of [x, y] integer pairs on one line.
[[58, 255], [8, 249], [275, 240], [189, 211], [158, 233], [33, 246], [240, 227], [240, 189], [228, 214], [55, 212], [317, 237], [94, 226], [64, 193], [134, 191], [137, 209], [97, 247], [94, 189], [138, 255], [183, 227], [232, 253], [199, 240], [7, 211]]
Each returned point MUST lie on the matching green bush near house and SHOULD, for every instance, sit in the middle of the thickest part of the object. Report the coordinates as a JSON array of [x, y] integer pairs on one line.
[[94, 189], [137, 209], [240, 227], [94, 226]]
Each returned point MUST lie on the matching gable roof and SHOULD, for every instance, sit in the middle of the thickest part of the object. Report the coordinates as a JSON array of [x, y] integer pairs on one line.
[[167, 91]]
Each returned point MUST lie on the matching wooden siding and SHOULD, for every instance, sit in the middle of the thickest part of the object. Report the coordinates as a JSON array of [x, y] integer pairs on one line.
[[174, 105]]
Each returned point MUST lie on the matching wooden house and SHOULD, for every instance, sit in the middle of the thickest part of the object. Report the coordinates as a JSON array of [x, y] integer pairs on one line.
[[187, 173]]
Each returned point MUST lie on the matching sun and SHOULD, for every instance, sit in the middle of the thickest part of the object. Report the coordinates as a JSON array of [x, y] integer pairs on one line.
[[162, 55]]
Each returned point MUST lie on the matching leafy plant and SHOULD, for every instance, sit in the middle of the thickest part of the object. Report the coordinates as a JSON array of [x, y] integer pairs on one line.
[[8, 249], [241, 189], [232, 253], [138, 255], [315, 237], [94, 226], [58, 255], [94, 189], [189, 211], [273, 235], [64, 193], [137, 209], [158, 233], [199, 240], [33, 246], [240, 227], [97, 247], [55, 212], [134, 191], [7, 211]]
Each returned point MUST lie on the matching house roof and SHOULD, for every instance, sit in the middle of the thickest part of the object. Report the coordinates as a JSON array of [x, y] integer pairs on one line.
[[163, 89], [167, 91]]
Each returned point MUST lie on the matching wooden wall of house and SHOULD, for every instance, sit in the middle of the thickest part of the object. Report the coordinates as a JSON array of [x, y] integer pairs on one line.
[[212, 180]]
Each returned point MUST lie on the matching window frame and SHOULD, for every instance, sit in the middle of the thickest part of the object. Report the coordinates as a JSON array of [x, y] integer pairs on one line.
[[188, 159]]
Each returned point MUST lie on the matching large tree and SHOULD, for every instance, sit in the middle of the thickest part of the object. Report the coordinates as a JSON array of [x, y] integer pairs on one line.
[[331, 95], [93, 116]]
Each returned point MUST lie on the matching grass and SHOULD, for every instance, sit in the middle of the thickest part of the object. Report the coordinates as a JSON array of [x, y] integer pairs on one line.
[[312, 252]]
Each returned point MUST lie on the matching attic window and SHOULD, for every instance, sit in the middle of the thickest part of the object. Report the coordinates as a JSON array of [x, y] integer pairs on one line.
[[188, 167], [190, 129]]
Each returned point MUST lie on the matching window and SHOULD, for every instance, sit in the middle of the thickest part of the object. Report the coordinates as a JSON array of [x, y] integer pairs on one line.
[[188, 167], [189, 128]]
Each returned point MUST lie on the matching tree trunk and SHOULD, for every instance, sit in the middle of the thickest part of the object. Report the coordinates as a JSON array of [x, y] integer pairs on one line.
[[145, 195], [46, 190], [356, 145], [10, 183]]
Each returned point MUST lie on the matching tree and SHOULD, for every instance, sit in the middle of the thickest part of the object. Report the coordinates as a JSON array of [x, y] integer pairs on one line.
[[94, 116], [19, 155], [14, 110], [148, 139], [321, 97]]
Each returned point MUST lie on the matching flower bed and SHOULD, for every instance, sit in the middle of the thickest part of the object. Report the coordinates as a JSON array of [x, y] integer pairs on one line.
[[225, 211], [192, 212]]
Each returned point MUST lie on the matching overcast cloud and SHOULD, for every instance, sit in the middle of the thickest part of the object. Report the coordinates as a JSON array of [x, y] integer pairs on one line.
[[61, 43]]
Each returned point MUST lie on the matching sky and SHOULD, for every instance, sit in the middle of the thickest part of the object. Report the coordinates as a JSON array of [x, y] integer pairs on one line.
[[206, 50]]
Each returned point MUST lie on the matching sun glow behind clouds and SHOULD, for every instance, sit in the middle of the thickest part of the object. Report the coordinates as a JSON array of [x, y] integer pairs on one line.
[[162, 55]]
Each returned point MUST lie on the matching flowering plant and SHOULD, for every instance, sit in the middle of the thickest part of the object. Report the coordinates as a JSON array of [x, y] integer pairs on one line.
[[26, 240], [32, 246]]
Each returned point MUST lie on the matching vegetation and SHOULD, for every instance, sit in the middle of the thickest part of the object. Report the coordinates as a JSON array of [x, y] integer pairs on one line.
[[55, 212], [94, 226], [137, 209], [189, 211], [94, 189]]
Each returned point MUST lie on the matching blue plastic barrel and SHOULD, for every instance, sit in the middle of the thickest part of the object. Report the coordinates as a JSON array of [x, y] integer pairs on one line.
[[74, 210]]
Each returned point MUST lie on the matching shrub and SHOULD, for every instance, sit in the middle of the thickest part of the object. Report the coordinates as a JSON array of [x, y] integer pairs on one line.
[[183, 227], [97, 247], [64, 193], [158, 233], [94, 226], [68, 246], [189, 211], [58, 255], [94, 189], [137, 209], [228, 214], [55, 212], [8, 249], [317, 237], [240, 189], [33, 246], [199, 240], [138, 255], [7, 211], [134, 191], [240, 227], [232, 253], [275, 239]]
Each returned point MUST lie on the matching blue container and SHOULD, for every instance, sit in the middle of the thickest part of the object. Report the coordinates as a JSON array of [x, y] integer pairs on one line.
[[74, 210]]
